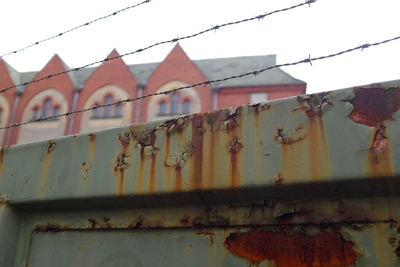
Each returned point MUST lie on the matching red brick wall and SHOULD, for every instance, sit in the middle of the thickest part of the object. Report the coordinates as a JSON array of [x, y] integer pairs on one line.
[[114, 72], [230, 97], [5, 82], [176, 66], [62, 83]]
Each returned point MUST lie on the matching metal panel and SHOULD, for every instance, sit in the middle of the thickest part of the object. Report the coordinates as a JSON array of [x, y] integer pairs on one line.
[[306, 181]]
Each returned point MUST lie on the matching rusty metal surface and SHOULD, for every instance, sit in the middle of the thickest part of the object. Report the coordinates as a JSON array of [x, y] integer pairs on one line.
[[306, 181]]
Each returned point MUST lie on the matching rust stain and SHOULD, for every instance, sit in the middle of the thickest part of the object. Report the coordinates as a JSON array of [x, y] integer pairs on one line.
[[178, 178], [197, 143], [234, 147], [305, 152], [325, 249], [372, 106], [121, 164], [379, 159], [140, 176], [167, 170], [320, 166], [92, 139], [50, 226], [279, 179], [231, 119], [152, 176], [209, 234], [149, 139]]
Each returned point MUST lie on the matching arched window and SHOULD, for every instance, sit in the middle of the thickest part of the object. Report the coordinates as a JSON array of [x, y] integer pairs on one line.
[[186, 107], [163, 108], [118, 110], [96, 113], [46, 107], [35, 113], [174, 103], [107, 109], [56, 110]]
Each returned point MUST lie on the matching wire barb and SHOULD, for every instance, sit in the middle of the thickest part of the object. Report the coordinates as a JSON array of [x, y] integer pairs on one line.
[[307, 60], [75, 28], [174, 40]]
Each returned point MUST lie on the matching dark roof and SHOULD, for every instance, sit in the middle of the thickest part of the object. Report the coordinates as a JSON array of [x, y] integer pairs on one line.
[[211, 68]]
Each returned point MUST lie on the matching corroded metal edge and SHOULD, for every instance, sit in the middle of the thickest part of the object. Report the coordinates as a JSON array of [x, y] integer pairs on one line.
[[324, 138]]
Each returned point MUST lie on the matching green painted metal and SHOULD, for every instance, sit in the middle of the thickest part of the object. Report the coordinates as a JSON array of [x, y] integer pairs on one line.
[[306, 181]]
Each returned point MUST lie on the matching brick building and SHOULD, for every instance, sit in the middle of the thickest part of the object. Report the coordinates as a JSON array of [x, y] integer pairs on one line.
[[114, 80]]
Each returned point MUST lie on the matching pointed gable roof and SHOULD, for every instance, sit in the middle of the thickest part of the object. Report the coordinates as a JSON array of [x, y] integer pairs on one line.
[[112, 72], [61, 82], [177, 66], [8, 77]]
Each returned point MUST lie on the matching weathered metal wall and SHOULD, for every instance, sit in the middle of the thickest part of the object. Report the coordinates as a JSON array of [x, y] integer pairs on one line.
[[307, 181]]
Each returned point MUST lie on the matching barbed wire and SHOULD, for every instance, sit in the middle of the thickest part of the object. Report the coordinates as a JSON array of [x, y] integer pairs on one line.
[[309, 60], [74, 28], [174, 40]]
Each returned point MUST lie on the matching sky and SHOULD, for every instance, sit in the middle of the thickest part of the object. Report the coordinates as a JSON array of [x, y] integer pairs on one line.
[[327, 26]]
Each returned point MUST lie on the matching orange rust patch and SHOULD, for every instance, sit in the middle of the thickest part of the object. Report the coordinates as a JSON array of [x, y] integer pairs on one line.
[[92, 138], [197, 143], [379, 160], [372, 106], [328, 249]]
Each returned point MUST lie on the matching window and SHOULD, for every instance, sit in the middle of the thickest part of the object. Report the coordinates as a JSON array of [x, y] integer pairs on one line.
[[107, 109], [258, 97], [163, 108], [118, 110], [46, 107], [96, 113], [186, 107], [56, 110], [174, 103], [35, 113]]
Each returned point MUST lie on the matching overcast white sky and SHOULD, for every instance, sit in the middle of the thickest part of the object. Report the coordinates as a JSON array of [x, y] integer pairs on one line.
[[325, 27]]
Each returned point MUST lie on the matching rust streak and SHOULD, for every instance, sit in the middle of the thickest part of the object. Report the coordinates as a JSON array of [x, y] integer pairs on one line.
[[234, 147], [197, 143], [140, 176], [178, 178], [152, 177], [121, 165], [328, 249]]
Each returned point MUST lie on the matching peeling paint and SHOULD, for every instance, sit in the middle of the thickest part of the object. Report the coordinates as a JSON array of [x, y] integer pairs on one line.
[[328, 249]]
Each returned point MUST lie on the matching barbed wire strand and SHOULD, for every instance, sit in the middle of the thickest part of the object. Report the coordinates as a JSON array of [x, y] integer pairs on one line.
[[74, 28], [309, 60], [174, 40]]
